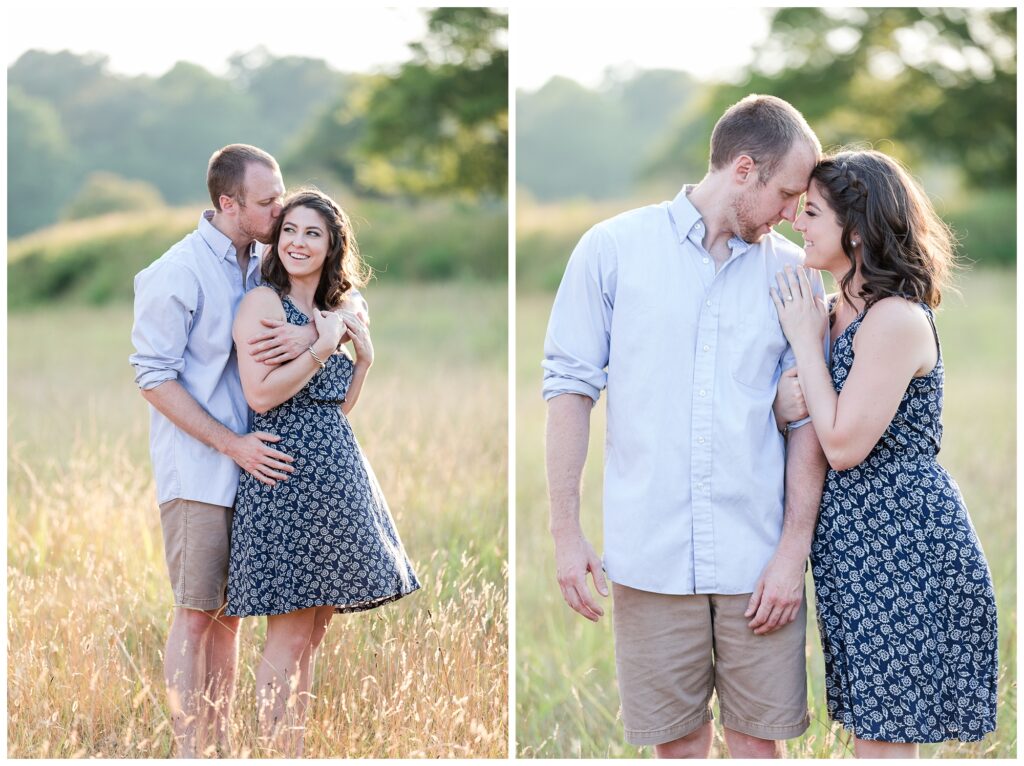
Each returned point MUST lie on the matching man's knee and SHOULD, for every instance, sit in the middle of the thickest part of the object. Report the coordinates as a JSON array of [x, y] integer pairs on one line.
[[696, 744], [748, 746], [226, 625], [195, 624]]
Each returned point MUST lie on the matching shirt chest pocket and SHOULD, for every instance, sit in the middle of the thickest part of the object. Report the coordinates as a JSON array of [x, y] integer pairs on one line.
[[210, 334], [757, 349]]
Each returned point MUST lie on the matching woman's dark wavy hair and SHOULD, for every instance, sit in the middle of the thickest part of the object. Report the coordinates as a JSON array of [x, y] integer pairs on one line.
[[343, 268], [906, 249]]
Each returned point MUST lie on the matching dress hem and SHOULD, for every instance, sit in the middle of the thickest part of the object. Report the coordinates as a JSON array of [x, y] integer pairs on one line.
[[349, 608], [955, 737]]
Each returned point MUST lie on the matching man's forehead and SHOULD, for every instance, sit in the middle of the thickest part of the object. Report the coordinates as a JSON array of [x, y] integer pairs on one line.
[[797, 167], [792, 182], [259, 177]]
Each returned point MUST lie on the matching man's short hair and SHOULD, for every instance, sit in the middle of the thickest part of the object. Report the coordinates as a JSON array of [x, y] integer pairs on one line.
[[762, 127], [226, 171]]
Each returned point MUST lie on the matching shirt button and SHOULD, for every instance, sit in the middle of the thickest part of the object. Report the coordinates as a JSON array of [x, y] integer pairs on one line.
[[707, 303], [702, 392], [700, 487], [698, 227], [700, 439], [705, 260], [707, 348]]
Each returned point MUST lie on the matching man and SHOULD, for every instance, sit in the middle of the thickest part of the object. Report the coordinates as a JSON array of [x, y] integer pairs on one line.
[[668, 308], [187, 370]]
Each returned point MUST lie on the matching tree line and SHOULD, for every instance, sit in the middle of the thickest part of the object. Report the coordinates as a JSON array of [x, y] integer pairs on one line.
[[83, 140], [936, 87]]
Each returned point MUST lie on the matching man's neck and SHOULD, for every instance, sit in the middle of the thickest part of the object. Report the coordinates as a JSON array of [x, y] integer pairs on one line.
[[241, 241], [709, 199]]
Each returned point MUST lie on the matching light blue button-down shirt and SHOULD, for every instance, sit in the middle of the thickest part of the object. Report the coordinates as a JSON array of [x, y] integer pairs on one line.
[[185, 305], [690, 358]]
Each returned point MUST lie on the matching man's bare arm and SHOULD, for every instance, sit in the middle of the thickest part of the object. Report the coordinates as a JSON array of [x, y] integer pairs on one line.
[[779, 592], [805, 481], [247, 450], [282, 341], [568, 435]]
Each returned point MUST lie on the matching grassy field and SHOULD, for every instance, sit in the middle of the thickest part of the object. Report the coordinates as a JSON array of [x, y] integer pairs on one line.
[[566, 699], [88, 597]]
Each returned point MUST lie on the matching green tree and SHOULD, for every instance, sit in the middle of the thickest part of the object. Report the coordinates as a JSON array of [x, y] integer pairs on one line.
[[441, 123], [98, 111], [109, 193], [59, 78], [39, 163], [160, 130], [192, 113], [567, 140], [936, 85], [574, 141], [329, 142], [286, 92]]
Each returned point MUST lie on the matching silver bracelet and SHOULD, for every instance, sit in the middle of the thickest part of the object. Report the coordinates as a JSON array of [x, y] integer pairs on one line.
[[319, 361]]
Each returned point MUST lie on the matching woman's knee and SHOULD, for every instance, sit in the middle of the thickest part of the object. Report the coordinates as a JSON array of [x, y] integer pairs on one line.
[[321, 621], [290, 633]]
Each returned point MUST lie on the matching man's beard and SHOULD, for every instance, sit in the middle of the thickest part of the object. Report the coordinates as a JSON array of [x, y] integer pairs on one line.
[[253, 232], [746, 228]]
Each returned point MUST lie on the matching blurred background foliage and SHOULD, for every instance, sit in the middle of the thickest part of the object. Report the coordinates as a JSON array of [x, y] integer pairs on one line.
[[417, 155], [934, 87]]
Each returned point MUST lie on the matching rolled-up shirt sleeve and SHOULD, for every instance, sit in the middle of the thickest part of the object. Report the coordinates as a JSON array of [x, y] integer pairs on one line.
[[167, 298], [789, 358], [578, 339]]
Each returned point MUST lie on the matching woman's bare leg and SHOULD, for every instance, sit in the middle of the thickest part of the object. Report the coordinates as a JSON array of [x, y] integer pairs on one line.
[[278, 676], [865, 748], [321, 620]]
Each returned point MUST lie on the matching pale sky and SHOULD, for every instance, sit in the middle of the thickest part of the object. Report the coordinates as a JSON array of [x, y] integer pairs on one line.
[[582, 42], [149, 37]]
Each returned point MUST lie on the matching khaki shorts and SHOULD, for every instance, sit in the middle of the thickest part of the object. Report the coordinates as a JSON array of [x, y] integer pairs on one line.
[[197, 545], [673, 651]]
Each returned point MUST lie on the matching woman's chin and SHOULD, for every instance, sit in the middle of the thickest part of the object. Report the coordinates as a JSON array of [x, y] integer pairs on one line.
[[811, 261], [296, 271]]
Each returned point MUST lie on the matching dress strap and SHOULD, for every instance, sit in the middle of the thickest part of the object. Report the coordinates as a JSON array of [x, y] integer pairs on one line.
[[935, 333]]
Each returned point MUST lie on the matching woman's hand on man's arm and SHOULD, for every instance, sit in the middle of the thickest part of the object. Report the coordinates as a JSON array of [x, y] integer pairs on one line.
[[789, 405]]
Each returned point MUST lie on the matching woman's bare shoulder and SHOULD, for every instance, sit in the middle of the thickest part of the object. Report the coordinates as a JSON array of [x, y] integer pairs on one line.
[[261, 297], [259, 303], [898, 322]]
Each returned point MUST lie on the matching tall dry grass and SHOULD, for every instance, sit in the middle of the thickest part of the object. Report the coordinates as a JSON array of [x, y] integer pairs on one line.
[[567, 703], [88, 596]]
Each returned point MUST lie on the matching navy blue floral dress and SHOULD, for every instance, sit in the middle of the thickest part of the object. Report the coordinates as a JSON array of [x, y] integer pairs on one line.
[[906, 607], [325, 535]]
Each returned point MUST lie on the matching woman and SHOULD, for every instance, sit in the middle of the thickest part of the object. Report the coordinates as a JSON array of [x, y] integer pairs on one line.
[[906, 607], [322, 541]]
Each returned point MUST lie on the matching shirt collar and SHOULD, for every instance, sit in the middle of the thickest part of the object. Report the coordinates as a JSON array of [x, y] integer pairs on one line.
[[690, 223], [219, 242], [687, 218]]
